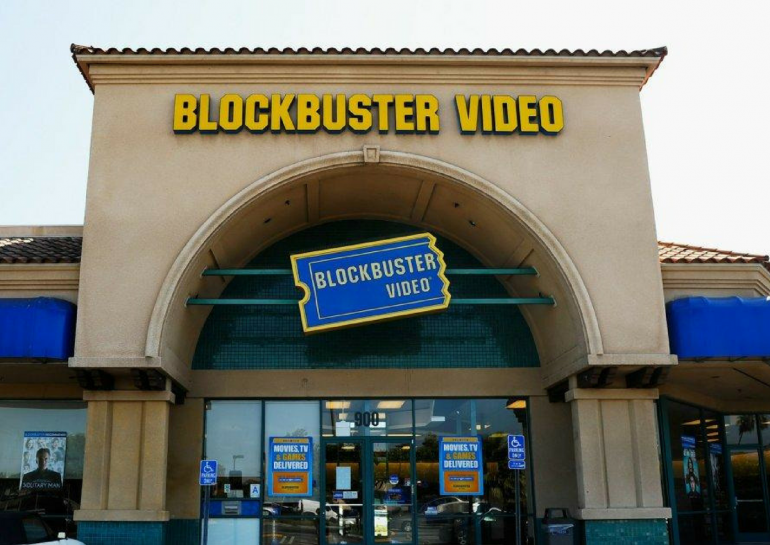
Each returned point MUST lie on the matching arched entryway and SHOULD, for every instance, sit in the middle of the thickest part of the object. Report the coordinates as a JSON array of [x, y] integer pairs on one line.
[[271, 337], [431, 195]]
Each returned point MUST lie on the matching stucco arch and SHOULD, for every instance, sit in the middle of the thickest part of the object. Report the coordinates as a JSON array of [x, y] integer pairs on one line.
[[183, 278]]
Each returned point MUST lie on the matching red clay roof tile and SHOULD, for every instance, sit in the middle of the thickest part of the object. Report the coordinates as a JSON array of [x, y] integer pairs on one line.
[[670, 252], [40, 249], [85, 50], [68, 250]]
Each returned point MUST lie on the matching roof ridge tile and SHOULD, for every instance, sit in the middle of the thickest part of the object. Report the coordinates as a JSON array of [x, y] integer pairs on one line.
[[77, 49]]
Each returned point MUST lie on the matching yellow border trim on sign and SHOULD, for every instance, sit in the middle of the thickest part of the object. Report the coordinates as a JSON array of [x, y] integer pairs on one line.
[[382, 317]]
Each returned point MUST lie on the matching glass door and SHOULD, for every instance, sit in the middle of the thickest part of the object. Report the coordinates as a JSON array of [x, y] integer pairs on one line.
[[750, 514], [391, 481], [344, 491], [368, 491]]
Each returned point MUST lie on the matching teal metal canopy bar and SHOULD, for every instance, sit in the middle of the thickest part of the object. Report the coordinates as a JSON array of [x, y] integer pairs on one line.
[[526, 271], [267, 302]]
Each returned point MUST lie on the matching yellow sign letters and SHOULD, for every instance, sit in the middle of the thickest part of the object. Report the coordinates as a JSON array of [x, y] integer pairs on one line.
[[360, 113]]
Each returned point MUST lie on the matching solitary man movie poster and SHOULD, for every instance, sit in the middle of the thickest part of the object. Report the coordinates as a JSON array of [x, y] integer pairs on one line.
[[42, 460]]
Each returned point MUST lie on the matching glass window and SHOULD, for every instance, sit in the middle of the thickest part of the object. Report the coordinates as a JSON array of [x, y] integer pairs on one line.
[[741, 429], [749, 494], [36, 530], [501, 530], [293, 419], [291, 530], [694, 529], [55, 439], [687, 457], [368, 417], [764, 427], [233, 431], [435, 418], [233, 531], [714, 430], [493, 420], [445, 530]]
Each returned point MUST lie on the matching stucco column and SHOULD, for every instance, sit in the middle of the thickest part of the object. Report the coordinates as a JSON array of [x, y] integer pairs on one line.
[[616, 457], [124, 478]]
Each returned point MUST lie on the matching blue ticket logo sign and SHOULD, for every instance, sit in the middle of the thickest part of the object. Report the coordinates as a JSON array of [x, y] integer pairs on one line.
[[354, 285]]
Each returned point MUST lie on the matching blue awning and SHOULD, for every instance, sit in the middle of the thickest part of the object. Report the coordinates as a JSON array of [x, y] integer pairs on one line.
[[730, 327], [40, 328]]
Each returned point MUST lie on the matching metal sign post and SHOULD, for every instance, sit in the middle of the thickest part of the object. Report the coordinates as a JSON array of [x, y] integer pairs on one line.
[[207, 478], [518, 504], [517, 461]]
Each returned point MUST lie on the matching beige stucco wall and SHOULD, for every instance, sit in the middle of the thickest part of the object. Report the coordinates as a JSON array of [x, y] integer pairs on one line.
[[715, 280], [185, 447], [553, 458], [58, 280]]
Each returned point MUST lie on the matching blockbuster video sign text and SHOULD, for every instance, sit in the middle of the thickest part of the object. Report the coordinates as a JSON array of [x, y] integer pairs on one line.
[[361, 113]]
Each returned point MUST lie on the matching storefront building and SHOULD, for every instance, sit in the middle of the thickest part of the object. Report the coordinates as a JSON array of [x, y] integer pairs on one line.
[[569, 361]]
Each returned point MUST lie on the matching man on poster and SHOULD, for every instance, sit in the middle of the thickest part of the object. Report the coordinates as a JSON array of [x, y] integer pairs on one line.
[[42, 478], [48, 451]]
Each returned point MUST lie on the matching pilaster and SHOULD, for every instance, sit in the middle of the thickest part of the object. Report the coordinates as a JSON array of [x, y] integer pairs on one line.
[[617, 460], [124, 478]]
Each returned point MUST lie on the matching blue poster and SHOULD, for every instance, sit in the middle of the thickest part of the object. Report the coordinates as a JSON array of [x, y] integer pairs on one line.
[[290, 466], [690, 467], [42, 464], [369, 282], [460, 466]]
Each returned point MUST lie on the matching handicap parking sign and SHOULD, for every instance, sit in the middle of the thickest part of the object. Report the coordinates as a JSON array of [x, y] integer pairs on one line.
[[516, 441], [517, 452], [208, 475]]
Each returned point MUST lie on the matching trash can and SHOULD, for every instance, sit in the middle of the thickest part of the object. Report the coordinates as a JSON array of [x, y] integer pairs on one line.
[[559, 527]]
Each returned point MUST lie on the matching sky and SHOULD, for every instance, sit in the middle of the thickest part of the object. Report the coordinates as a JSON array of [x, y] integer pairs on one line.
[[706, 112]]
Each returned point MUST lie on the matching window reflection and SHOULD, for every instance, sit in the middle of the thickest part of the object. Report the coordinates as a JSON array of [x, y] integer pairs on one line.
[[493, 420], [400, 497], [17, 457], [293, 419], [233, 431], [741, 429], [716, 458], [687, 457]]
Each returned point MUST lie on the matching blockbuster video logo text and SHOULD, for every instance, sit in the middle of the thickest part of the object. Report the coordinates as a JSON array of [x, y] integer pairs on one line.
[[360, 113]]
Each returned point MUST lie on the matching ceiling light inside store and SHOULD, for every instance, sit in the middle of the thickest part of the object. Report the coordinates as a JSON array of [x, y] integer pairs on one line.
[[516, 404], [342, 416], [338, 404], [392, 404]]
